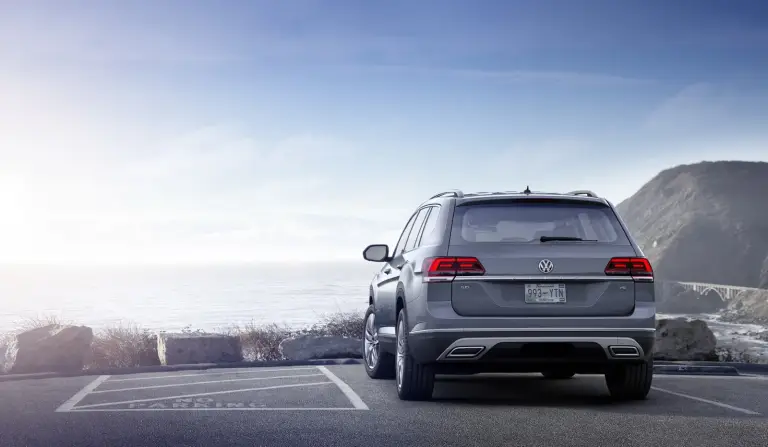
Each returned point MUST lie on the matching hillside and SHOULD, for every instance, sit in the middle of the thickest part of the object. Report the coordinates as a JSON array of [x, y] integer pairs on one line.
[[704, 222]]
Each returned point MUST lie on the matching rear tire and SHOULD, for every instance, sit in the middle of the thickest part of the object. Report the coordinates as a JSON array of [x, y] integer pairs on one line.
[[415, 381], [558, 375], [630, 381], [379, 364]]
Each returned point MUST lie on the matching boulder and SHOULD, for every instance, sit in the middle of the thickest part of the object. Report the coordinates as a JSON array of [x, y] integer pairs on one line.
[[307, 347], [183, 348], [147, 355], [680, 339], [52, 348]]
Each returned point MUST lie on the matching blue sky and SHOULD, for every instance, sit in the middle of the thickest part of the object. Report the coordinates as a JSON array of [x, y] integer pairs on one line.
[[190, 131]]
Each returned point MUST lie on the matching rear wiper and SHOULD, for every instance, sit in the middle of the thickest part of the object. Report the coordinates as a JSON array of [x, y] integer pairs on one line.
[[564, 238]]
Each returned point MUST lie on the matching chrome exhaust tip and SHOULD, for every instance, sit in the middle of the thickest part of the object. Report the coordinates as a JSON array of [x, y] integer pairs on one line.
[[624, 351], [465, 352]]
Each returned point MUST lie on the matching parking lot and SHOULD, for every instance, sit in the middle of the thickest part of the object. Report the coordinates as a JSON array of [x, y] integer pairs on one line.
[[340, 405]]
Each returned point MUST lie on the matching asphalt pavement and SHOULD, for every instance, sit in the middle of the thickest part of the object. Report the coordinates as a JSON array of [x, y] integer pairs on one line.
[[341, 406]]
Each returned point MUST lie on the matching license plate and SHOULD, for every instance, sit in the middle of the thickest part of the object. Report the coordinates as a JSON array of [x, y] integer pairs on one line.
[[544, 293]]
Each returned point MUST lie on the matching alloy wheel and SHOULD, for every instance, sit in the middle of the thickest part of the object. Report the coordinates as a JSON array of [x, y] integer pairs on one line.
[[371, 345], [400, 368]]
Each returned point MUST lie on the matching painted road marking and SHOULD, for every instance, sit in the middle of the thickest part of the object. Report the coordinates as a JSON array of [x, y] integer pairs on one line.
[[239, 371], [703, 377], [119, 410], [199, 401], [246, 379], [195, 395], [356, 401], [72, 401], [707, 401]]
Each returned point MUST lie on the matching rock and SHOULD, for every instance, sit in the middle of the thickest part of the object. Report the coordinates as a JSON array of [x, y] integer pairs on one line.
[[748, 307], [743, 318], [762, 335], [307, 347], [679, 339], [147, 355], [701, 223], [183, 348], [52, 348]]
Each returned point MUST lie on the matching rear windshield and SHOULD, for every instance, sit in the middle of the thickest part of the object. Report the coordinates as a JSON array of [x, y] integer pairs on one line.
[[525, 222]]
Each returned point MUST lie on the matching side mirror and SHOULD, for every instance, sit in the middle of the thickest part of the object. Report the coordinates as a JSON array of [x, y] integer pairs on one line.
[[376, 253]]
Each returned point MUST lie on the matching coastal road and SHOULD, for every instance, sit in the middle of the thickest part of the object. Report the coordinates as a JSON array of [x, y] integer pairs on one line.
[[340, 406]]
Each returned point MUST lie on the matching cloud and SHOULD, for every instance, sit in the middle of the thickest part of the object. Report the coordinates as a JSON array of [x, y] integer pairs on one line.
[[225, 169], [695, 105], [214, 194], [204, 34], [706, 107], [117, 34], [512, 76], [564, 77]]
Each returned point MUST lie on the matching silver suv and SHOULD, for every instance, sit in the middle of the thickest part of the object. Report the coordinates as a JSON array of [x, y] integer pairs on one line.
[[512, 282]]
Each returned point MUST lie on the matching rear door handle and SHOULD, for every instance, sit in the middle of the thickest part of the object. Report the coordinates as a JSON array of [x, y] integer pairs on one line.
[[387, 271]]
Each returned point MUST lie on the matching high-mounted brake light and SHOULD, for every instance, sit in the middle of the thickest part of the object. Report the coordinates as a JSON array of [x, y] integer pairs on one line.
[[635, 267], [446, 268]]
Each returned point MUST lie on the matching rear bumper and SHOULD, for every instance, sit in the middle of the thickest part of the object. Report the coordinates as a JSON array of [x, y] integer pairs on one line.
[[530, 343], [582, 350]]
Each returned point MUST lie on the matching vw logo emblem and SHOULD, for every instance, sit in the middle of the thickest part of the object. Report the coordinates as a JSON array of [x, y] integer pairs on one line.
[[546, 266]]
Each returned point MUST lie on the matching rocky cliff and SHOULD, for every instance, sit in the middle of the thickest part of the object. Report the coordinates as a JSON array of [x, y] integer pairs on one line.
[[704, 222]]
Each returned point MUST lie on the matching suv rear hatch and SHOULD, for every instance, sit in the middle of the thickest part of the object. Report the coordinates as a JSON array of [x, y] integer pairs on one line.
[[543, 257]]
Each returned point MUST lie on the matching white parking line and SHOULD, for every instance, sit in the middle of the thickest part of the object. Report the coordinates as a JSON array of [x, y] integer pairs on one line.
[[247, 379], [346, 389], [703, 377], [120, 410], [239, 371], [184, 396], [707, 401], [72, 401]]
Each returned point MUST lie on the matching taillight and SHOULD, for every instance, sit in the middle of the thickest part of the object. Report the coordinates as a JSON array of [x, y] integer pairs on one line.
[[639, 267], [446, 268]]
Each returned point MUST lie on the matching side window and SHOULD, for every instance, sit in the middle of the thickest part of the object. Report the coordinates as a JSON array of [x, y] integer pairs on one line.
[[429, 235], [403, 237], [416, 231]]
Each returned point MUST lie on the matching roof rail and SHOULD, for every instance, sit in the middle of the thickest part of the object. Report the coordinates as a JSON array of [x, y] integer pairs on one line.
[[582, 192], [453, 193]]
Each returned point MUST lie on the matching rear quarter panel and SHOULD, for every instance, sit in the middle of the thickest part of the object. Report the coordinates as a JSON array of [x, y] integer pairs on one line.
[[413, 289]]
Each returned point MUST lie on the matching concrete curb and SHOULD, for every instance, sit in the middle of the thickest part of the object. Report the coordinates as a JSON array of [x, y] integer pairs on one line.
[[696, 370], [171, 368], [742, 368]]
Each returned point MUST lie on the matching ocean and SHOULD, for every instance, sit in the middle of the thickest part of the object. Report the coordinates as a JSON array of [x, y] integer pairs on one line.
[[172, 298], [211, 298]]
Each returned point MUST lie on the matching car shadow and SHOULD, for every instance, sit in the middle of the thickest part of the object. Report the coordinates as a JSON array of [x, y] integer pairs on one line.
[[580, 392], [521, 390]]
